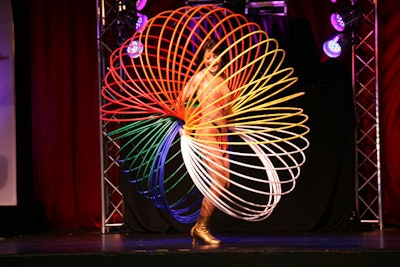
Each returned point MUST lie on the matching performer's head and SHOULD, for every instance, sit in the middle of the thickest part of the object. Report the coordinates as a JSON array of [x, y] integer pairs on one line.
[[210, 52]]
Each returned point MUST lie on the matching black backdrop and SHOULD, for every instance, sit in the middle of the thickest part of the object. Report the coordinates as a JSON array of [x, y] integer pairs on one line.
[[324, 197]]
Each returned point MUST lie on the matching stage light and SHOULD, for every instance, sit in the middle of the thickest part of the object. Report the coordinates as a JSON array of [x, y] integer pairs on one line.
[[335, 45], [259, 7], [135, 49], [141, 22], [344, 19], [140, 4]]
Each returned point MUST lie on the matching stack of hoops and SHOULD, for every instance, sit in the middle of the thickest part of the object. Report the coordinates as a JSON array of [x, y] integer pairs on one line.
[[266, 138]]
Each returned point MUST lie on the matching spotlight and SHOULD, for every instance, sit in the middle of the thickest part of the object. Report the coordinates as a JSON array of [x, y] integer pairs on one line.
[[343, 19], [141, 22], [260, 7], [140, 4], [134, 49], [335, 45]]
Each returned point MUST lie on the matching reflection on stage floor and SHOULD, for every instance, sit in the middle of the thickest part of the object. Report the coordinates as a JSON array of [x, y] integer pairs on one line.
[[370, 248]]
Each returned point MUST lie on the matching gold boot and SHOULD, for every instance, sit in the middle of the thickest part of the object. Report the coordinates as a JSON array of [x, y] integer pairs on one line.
[[200, 232]]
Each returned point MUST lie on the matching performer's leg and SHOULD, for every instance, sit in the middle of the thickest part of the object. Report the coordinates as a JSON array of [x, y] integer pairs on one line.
[[207, 207], [200, 231]]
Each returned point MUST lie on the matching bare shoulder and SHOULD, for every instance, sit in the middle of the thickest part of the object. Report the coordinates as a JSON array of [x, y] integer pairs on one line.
[[198, 76]]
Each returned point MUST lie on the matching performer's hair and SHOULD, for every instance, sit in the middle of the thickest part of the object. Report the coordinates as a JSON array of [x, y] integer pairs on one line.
[[217, 47]]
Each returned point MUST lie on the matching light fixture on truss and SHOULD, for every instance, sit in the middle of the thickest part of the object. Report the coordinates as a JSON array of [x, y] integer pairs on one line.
[[345, 18], [344, 22], [266, 7], [140, 4], [336, 44]]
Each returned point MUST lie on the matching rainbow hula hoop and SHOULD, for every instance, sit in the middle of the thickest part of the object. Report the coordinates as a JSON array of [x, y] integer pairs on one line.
[[143, 91]]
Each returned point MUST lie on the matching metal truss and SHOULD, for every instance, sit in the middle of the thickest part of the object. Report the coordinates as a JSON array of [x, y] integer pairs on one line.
[[111, 196], [366, 99]]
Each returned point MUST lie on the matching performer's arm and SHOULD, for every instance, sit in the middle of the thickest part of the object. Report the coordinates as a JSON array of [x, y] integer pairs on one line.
[[188, 90]]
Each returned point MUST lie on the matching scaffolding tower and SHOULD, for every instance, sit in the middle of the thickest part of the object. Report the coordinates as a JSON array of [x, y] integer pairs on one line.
[[366, 100]]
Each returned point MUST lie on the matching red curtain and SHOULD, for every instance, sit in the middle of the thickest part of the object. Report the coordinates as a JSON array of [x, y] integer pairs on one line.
[[65, 117], [389, 12]]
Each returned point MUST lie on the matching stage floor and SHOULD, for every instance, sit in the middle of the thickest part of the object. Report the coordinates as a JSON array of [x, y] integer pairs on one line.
[[371, 248]]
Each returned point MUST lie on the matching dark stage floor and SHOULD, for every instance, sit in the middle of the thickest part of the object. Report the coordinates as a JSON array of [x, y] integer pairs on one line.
[[371, 248]]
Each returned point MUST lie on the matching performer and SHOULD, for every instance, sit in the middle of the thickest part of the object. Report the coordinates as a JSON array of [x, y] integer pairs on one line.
[[146, 93], [210, 90]]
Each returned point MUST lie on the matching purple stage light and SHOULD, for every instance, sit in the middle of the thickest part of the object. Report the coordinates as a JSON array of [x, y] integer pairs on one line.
[[134, 49], [141, 22], [337, 22], [335, 45], [346, 18], [140, 4]]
